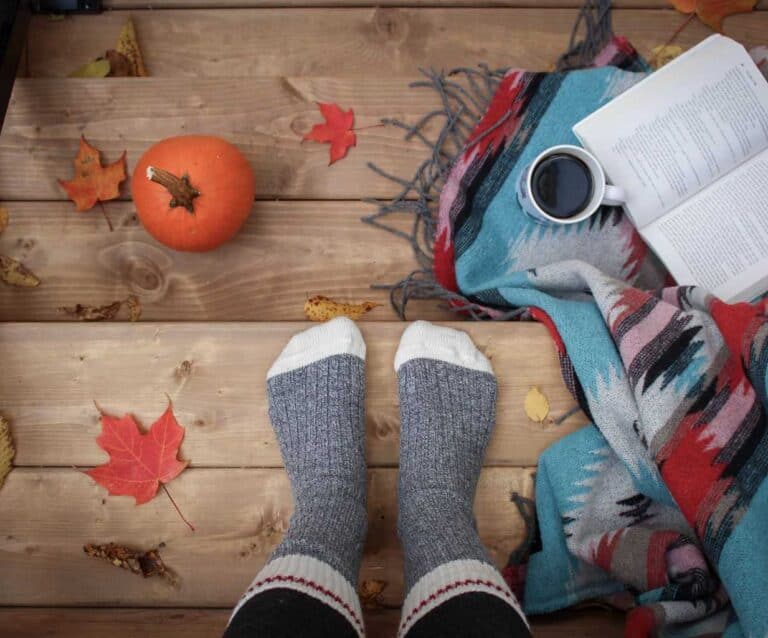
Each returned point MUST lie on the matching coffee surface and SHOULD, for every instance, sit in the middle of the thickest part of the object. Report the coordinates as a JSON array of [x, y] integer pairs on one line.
[[562, 185]]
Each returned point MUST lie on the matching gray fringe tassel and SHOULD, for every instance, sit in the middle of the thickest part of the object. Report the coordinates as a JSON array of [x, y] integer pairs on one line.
[[465, 94]]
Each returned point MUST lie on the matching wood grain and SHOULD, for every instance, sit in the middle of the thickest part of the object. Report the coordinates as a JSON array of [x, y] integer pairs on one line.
[[391, 41], [208, 623], [541, 4], [286, 252], [239, 515], [265, 117], [53, 374]]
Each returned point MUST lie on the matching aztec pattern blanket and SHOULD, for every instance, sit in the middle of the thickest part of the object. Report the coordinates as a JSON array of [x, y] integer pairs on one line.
[[661, 503]]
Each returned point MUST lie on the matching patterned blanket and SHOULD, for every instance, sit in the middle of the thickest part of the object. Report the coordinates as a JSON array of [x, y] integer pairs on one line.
[[661, 504]]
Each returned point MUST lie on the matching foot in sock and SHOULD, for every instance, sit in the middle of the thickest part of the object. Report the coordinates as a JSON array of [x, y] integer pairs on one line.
[[316, 404], [447, 396]]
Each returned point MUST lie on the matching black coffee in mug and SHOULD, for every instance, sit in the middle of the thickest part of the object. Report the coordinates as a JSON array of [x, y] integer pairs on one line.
[[562, 185]]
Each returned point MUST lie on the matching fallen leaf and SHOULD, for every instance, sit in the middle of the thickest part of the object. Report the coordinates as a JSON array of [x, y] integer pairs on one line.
[[663, 54], [133, 303], [4, 216], [128, 45], [712, 12], [93, 182], [337, 130], [369, 592], [7, 451], [16, 274], [320, 308], [119, 65], [146, 564], [103, 313], [536, 405], [139, 463], [97, 69]]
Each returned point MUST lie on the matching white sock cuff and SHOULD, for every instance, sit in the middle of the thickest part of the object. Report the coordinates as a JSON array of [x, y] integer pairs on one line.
[[338, 336], [450, 580], [423, 340], [310, 576]]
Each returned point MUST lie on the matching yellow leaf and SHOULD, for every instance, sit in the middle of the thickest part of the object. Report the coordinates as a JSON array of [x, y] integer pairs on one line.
[[14, 273], [536, 405], [319, 308], [128, 45], [3, 218], [7, 450], [663, 54], [96, 69]]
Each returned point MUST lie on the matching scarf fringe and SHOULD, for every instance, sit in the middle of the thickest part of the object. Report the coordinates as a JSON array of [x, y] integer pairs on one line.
[[465, 94]]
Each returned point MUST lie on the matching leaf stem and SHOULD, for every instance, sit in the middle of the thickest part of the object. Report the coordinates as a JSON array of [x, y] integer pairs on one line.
[[362, 128], [104, 212], [165, 489], [673, 37]]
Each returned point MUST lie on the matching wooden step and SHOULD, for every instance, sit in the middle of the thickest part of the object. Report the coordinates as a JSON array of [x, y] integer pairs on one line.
[[209, 623], [286, 252], [239, 515], [215, 375], [384, 42]]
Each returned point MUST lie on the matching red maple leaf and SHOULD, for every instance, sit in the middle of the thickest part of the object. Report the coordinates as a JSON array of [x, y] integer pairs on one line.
[[93, 182], [337, 130], [138, 462]]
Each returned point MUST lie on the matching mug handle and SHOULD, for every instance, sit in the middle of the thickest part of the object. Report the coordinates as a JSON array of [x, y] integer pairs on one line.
[[613, 196]]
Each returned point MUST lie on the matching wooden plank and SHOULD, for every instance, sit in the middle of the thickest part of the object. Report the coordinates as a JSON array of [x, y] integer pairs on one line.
[[208, 623], [239, 516], [548, 4], [394, 42], [265, 117], [285, 252], [52, 375]]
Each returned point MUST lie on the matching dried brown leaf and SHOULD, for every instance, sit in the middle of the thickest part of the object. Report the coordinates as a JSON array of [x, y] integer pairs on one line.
[[119, 65], [320, 308], [133, 303], [84, 312], [7, 451], [146, 564], [15, 273], [370, 590], [4, 216]]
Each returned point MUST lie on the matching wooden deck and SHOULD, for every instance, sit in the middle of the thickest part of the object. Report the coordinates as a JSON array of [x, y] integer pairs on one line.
[[251, 73]]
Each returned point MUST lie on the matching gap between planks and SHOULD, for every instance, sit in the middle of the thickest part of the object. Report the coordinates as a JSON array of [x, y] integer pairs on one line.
[[209, 623], [220, 396]]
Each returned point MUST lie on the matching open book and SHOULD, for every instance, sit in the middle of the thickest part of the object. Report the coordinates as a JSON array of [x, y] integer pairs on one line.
[[689, 145]]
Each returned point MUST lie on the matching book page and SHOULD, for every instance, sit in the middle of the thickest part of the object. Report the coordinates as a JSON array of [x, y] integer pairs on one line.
[[682, 128], [718, 239]]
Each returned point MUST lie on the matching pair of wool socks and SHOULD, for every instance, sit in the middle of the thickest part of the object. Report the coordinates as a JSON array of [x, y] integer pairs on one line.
[[447, 397]]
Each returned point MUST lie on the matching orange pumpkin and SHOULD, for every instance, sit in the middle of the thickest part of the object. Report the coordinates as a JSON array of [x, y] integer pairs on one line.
[[193, 192]]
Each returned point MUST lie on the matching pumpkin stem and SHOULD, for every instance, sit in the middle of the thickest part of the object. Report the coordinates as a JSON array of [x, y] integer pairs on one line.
[[182, 192]]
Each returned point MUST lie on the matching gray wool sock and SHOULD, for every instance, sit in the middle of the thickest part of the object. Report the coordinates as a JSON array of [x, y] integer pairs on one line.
[[316, 403], [447, 411]]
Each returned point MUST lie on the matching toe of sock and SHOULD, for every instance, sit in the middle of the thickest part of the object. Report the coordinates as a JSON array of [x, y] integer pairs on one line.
[[424, 340], [338, 336]]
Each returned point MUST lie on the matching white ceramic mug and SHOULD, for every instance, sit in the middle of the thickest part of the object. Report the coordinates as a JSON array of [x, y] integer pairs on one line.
[[603, 193]]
